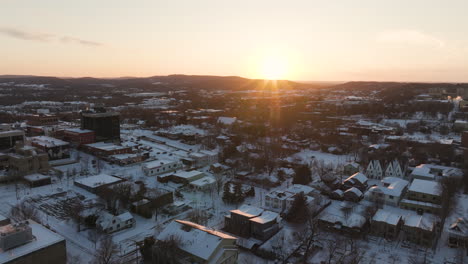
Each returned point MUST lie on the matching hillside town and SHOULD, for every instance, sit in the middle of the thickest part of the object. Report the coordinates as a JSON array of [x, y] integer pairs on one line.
[[181, 169]]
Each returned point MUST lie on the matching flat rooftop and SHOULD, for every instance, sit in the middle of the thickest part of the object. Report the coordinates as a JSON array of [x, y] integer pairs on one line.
[[98, 180], [43, 238]]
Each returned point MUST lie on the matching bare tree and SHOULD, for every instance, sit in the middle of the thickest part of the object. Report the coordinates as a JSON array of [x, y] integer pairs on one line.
[[23, 211], [107, 253], [74, 259], [165, 251]]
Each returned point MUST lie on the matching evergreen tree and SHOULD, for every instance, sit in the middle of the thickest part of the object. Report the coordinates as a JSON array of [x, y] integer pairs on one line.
[[302, 175], [299, 212], [227, 195], [238, 195]]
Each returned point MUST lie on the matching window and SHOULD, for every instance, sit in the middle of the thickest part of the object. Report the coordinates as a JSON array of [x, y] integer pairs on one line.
[[391, 197]]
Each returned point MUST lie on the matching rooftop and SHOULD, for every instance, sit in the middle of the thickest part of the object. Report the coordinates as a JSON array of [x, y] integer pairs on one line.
[[427, 187], [98, 180]]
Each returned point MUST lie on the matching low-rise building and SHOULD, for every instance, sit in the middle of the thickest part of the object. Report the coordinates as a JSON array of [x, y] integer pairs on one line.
[[390, 193], [249, 221], [103, 149], [458, 234], [386, 224], [55, 148], [9, 138], [201, 244], [27, 160], [29, 242], [157, 167], [95, 184], [420, 229], [78, 137], [423, 196], [374, 170], [358, 180]]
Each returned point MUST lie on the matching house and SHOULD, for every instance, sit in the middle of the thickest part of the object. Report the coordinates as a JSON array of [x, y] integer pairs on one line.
[[386, 224], [158, 167], [423, 196], [394, 170], [95, 184], [390, 193], [153, 199], [337, 194], [351, 168], [55, 148], [420, 229], [249, 221], [30, 242], [109, 223], [434, 172], [201, 244], [37, 179], [357, 180], [374, 170], [458, 234], [352, 194], [280, 200], [344, 218]]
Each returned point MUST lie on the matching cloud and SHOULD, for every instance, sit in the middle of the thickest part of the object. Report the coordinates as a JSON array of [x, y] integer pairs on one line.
[[44, 37], [19, 34], [79, 41], [410, 37]]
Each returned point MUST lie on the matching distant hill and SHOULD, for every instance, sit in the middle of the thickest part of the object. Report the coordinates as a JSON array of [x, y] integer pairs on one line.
[[170, 82]]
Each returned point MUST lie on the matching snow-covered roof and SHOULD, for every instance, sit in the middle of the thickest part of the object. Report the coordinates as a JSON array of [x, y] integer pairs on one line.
[[105, 218], [78, 130], [188, 174], [354, 190], [427, 187], [334, 214], [227, 120], [265, 217], [98, 180], [459, 228], [359, 176], [248, 211], [392, 186], [48, 142], [431, 171], [298, 188], [387, 217], [207, 180], [43, 238], [36, 177], [424, 221], [105, 146], [195, 239], [157, 163]]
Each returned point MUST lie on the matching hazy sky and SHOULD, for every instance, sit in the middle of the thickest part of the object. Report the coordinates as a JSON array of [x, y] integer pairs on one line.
[[400, 40]]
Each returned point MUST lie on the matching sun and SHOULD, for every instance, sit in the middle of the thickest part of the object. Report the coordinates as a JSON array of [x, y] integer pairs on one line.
[[273, 68]]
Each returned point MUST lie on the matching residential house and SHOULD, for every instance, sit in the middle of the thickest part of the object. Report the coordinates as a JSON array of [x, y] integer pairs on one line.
[[351, 168], [458, 234], [374, 170], [352, 194], [201, 244], [249, 221], [109, 223], [357, 180], [420, 229], [390, 192], [394, 170], [386, 224], [423, 196]]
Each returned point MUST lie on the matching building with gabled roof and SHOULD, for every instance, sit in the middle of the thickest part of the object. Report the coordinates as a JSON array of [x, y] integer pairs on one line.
[[200, 244], [358, 180], [374, 170], [458, 233], [390, 192]]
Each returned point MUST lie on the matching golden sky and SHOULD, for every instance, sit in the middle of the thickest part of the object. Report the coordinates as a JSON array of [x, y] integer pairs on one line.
[[342, 40]]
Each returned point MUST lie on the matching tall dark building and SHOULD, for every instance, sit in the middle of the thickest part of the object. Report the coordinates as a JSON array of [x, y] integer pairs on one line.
[[106, 125]]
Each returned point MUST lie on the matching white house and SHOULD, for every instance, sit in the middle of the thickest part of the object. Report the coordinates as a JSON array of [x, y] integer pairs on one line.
[[390, 193], [374, 170], [281, 200], [158, 167], [204, 158], [110, 223]]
